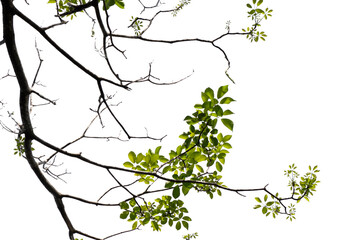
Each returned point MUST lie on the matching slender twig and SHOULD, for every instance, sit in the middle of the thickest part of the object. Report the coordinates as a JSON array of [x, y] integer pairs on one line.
[[45, 98], [149, 7]]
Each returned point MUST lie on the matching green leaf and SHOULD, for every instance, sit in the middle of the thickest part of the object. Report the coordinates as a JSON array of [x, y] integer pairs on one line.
[[200, 158], [205, 142], [219, 167], [132, 156], [214, 141], [199, 168], [121, 4], [248, 5], [132, 216], [264, 210], [124, 205], [157, 150], [186, 218], [213, 125], [210, 93], [185, 190], [166, 169], [226, 100], [178, 226], [265, 197], [211, 195], [134, 226], [259, 2], [128, 165], [169, 184], [155, 225], [204, 97], [227, 138], [164, 220], [185, 224], [257, 206], [52, 1], [184, 210], [187, 184], [184, 136], [227, 112], [139, 158], [220, 137], [109, 3], [147, 218], [228, 123], [222, 90], [132, 202], [258, 199], [198, 106], [218, 110], [124, 215], [221, 158], [176, 192]]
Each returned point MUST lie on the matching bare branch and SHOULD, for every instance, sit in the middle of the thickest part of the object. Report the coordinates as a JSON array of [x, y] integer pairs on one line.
[[40, 63], [149, 78], [54, 25], [116, 234], [107, 167], [45, 98], [149, 7], [7, 75]]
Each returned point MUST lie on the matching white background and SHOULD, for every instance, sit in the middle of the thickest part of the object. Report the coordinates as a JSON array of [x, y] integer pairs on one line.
[[297, 102]]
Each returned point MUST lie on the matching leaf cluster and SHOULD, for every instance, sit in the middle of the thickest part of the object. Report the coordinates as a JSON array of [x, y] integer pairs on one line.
[[180, 6], [299, 190], [164, 210], [66, 6], [190, 236], [257, 15], [194, 164], [268, 207], [146, 163], [20, 149], [307, 184], [137, 25]]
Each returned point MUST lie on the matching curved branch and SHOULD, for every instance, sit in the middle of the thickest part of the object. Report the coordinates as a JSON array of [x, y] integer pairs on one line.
[[108, 167], [8, 14]]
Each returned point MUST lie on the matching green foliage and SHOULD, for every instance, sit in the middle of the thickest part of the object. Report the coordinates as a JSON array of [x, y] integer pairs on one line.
[[164, 210], [180, 6], [110, 3], [20, 149], [189, 236], [193, 164], [65, 6], [136, 25], [299, 190], [257, 15]]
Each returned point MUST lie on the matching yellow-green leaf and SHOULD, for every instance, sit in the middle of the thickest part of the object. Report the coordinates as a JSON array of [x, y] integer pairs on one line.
[[132, 156], [228, 123]]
